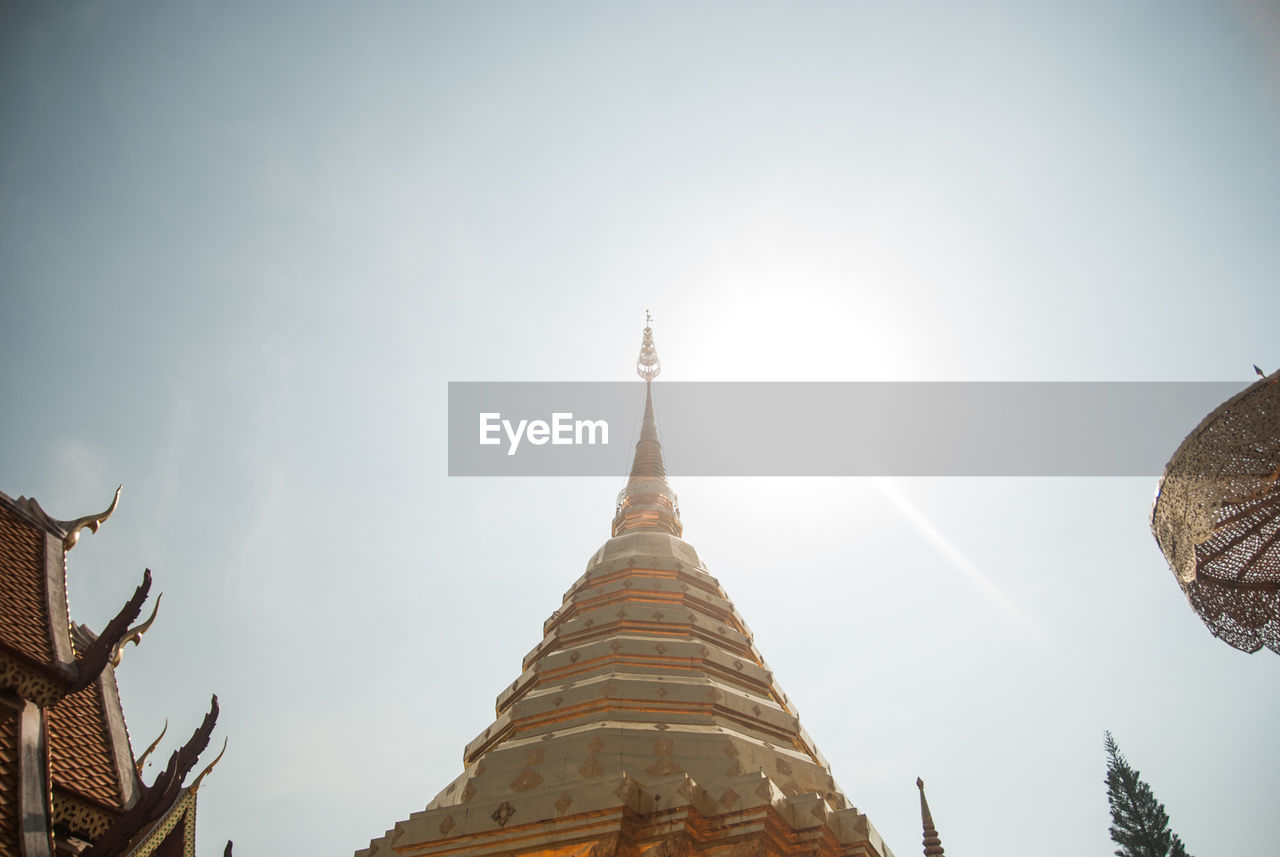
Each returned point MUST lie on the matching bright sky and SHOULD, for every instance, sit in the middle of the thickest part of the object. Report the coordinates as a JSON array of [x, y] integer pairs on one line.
[[245, 246]]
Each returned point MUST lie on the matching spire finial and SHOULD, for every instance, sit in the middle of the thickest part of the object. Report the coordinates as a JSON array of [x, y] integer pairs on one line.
[[647, 365], [647, 503], [932, 844]]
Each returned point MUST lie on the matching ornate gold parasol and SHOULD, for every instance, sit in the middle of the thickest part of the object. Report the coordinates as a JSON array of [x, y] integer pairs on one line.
[[1217, 517]]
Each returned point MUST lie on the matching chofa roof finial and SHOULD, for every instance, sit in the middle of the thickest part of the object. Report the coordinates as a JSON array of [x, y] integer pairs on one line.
[[73, 528], [195, 784], [141, 761], [134, 634]]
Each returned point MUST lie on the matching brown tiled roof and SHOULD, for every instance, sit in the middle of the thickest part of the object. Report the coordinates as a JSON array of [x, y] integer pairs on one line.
[[24, 623], [9, 815], [91, 777], [80, 748]]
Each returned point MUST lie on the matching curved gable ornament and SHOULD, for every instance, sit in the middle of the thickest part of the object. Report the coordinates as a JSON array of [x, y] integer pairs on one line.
[[195, 784], [134, 635], [141, 761], [74, 527]]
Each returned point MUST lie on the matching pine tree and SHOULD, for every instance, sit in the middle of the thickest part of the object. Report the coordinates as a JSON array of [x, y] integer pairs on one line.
[[1140, 826]]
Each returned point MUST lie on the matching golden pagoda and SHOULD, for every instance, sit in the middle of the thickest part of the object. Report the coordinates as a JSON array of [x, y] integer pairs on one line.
[[645, 723]]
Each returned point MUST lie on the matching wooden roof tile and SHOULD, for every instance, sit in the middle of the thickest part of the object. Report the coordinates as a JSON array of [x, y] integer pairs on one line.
[[80, 754], [24, 620]]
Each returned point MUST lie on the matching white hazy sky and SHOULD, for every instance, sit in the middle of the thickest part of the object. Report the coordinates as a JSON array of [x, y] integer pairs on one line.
[[245, 246]]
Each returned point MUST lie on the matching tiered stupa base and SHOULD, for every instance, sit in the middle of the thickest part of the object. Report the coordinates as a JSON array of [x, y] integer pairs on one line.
[[645, 724], [672, 816]]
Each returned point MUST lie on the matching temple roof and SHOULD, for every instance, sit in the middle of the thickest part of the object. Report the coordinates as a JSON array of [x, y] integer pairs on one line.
[[65, 669], [89, 750], [33, 597], [58, 696]]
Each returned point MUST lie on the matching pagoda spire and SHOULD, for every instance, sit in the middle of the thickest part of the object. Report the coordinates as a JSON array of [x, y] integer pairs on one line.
[[932, 844], [648, 503]]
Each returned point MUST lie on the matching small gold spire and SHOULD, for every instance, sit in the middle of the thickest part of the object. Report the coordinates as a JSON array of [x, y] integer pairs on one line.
[[73, 528], [142, 760], [134, 634], [932, 844], [196, 783]]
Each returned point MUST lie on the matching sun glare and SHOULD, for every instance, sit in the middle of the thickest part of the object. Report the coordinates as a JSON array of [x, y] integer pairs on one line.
[[956, 558]]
